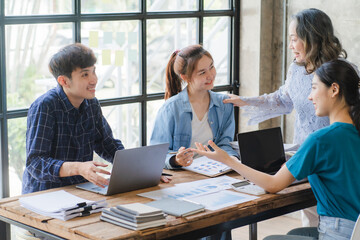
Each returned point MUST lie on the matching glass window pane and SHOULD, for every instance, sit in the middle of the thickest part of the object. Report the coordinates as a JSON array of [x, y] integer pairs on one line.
[[17, 153], [38, 7], [173, 5], [28, 51], [109, 6], [216, 4], [116, 46], [163, 37], [124, 121], [216, 41], [152, 108]]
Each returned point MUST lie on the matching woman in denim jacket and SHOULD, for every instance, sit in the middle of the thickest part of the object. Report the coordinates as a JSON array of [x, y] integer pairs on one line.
[[195, 113]]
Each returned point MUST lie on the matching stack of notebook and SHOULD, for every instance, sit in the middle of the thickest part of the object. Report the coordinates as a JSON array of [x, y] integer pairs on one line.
[[135, 216], [176, 207]]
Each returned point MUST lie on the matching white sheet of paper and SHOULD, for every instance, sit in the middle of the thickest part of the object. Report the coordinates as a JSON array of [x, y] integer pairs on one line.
[[52, 202], [223, 181], [195, 188], [221, 199], [179, 192]]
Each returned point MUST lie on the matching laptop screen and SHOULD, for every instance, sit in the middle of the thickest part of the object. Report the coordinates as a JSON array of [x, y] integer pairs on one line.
[[262, 150]]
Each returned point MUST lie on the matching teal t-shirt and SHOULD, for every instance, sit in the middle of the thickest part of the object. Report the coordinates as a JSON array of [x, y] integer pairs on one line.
[[330, 158]]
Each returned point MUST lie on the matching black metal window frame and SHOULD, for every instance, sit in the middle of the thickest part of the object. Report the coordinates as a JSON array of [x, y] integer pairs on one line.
[[77, 18]]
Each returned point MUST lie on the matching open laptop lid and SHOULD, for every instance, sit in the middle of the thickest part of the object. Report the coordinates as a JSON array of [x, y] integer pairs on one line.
[[262, 150], [133, 169]]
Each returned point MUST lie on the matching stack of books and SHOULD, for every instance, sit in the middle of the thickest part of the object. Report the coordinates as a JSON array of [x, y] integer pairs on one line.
[[134, 216], [61, 205], [177, 207]]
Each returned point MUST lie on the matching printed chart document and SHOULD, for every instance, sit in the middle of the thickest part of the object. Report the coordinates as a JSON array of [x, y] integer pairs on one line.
[[218, 200], [194, 188], [208, 167]]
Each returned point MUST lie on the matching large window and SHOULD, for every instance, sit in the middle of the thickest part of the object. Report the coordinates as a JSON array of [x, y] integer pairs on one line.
[[132, 40]]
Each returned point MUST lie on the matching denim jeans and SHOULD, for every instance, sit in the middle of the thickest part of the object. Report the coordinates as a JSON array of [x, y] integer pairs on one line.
[[331, 228]]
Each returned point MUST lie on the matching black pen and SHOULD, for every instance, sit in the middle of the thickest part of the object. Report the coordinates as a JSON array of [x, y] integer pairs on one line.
[[166, 174]]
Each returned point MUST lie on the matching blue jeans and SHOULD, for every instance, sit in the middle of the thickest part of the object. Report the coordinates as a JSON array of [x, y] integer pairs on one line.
[[332, 228]]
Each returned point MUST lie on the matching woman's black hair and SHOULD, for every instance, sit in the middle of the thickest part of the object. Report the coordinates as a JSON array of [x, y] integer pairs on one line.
[[71, 57], [342, 73]]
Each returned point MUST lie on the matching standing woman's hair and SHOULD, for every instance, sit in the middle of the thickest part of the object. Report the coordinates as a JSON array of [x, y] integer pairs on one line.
[[342, 73], [315, 29], [182, 62]]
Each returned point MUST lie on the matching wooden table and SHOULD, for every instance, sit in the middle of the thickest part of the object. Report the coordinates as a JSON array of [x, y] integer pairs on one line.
[[201, 224]]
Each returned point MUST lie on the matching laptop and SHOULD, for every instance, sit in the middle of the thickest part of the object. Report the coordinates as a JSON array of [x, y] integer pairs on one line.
[[263, 150], [133, 169]]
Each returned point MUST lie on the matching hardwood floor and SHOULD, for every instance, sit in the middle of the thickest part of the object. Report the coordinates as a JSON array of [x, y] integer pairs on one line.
[[278, 225]]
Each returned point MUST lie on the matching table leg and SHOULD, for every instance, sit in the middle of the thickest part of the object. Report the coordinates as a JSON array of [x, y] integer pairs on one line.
[[4, 230], [253, 231]]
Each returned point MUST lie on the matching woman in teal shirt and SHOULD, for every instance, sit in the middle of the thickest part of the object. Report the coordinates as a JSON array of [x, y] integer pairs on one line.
[[329, 157]]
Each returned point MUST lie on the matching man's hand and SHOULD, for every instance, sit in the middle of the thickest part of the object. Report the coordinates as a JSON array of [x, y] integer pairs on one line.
[[165, 179], [88, 170], [235, 99]]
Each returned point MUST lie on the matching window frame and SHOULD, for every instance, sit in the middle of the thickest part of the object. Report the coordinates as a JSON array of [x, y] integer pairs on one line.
[[76, 18]]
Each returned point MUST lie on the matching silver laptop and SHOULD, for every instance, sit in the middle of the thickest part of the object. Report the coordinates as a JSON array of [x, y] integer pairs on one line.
[[133, 169]]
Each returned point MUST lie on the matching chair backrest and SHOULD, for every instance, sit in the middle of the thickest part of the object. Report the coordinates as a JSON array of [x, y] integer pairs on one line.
[[356, 232]]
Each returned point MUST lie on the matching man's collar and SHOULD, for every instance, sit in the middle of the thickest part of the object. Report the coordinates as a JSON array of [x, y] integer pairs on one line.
[[66, 102]]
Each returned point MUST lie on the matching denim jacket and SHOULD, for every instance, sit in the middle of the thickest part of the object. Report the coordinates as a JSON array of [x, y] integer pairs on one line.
[[173, 123]]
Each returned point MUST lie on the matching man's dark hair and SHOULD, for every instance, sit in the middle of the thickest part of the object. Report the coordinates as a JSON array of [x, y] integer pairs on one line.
[[69, 58]]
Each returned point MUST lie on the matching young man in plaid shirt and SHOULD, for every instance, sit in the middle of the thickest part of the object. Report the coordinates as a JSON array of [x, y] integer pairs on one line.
[[65, 126]]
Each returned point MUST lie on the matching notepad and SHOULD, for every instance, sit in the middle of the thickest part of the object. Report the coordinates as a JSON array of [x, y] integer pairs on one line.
[[139, 209], [135, 216], [179, 208], [208, 167]]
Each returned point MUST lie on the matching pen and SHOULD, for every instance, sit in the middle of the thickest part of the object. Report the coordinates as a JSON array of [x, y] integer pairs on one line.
[[176, 152], [166, 174]]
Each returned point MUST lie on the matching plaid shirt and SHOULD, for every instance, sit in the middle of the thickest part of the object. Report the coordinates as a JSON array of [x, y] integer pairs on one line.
[[57, 133]]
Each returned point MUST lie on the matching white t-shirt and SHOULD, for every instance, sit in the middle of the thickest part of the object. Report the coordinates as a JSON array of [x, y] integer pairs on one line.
[[201, 131]]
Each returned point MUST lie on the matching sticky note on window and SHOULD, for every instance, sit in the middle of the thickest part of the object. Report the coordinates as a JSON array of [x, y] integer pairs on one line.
[[120, 38], [107, 37], [119, 58], [106, 57], [94, 39], [132, 54], [132, 38]]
